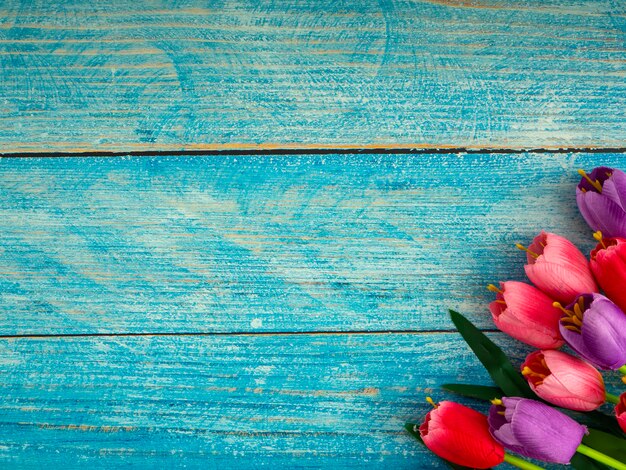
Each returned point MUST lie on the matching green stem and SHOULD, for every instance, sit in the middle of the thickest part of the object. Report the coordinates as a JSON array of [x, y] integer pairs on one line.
[[600, 457], [623, 369], [520, 463], [610, 398]]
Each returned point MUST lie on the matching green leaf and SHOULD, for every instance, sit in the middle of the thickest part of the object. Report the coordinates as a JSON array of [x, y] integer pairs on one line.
[[607, 444], [599, 420], [493, 358], [481, 392], [411, 428], [582, 462]]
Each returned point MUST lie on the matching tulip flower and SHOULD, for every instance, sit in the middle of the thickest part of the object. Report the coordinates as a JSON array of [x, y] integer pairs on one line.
[[461, 435], [526, 314], [535, 430], [608, 264], [557, 267], [595, 328], [564, 380], [620, 411], [601, 198]]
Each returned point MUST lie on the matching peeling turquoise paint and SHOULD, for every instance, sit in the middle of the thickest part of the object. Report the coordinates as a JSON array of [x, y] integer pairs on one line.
[[137, 74], [294, 243]]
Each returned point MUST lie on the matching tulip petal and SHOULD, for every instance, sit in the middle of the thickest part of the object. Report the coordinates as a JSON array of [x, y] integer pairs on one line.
[[620, 411], [572, 383], [615, 187], [608, 216], [561, 282], [500, 428], [604, 334], [561, 394], [533, 334], [535, 430], [602, 337], [529, 315], [560, 270], [609, 267], [586, 205], [545, 433], [557, 249], [575, 341], [461, 435], [556, 442]]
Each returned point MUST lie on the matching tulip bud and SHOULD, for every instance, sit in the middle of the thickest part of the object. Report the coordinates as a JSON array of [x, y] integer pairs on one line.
[[608, 264], [601, 198], [620, 411], [558, 268], [526, 314], [564, 380], [535, 430], [460, 435], [595, 328]]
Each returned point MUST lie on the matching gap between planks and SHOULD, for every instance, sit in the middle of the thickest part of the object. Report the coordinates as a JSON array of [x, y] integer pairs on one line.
[[301, 149]]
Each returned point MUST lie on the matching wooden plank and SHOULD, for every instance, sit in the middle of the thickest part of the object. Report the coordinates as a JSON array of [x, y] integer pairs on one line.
[[293, 243], [145, 75], [296, 401]]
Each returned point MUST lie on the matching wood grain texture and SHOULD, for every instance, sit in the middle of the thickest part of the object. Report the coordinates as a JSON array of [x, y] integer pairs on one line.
[[294, 243], [140, 75], [302, 401]]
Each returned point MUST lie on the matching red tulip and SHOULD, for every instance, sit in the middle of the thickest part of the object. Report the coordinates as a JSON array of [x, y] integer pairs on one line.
[[620, 411], [558, 268], [608, 264], [526, 314], [461, 435], [564, 380]]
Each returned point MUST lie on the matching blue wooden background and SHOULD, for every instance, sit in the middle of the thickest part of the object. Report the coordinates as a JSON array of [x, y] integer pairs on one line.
[[277, 310]]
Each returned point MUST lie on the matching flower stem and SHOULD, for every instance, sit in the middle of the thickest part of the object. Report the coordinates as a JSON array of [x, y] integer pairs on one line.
[[610, 398], [520, 463], [600, 457], [623, 369]]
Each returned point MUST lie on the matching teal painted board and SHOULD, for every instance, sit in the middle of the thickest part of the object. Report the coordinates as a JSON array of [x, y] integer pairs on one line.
[[145, 75], [292, 243], [242, 401]]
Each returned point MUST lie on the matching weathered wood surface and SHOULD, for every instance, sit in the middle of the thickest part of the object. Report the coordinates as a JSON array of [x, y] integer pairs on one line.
[[292, 243], [295, 401], [141, 75]]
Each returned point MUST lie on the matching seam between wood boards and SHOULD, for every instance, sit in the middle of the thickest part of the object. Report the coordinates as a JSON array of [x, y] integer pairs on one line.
[[322, 150], [238, 333]]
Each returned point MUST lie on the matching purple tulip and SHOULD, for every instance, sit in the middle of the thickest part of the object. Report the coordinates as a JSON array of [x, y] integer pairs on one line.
[[595, 328], [535, 430], [601, 198]]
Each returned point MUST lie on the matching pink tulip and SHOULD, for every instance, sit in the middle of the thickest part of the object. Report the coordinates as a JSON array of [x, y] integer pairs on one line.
[[558, 268], [620, 411], [564, 380], [526, 314]]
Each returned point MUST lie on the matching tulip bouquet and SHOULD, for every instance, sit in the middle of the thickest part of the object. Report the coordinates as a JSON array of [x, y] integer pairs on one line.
[[563, 307]]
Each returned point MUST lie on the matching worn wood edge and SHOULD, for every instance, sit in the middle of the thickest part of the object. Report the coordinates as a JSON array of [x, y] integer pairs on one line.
[[237, 333], [293, 149]]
